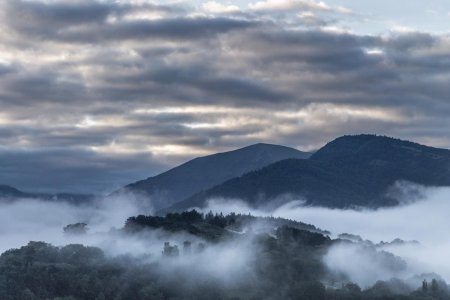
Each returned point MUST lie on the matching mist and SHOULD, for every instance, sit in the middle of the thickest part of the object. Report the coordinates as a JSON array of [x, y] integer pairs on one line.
[[32, 219], [26, 220], [425, 221]]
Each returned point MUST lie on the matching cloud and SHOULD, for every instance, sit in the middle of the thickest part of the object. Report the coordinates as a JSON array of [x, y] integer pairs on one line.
[[53, 170], [74, 74], [219, 8], [289, 4], [424, 221], [19, 219], [91, 22], [19, 226], [295, 5]]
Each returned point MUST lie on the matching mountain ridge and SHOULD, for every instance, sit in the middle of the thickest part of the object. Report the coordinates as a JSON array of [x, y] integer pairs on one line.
[[348, 171], [205, 172], [9, 194]]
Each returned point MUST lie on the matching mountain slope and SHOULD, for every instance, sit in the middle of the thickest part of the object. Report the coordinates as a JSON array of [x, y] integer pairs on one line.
[[349, 171], [379, 161], [10, 194], [205, 172]]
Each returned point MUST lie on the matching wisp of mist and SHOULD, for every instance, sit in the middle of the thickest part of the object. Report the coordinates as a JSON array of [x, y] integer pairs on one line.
[[27, 220], [426, 221]]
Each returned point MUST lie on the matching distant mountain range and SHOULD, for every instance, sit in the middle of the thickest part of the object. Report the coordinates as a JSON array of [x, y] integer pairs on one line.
[[351, 171], [347, 172], [10, 194], [203, 173]]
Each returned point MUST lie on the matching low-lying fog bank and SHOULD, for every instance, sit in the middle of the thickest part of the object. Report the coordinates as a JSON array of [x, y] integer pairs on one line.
[[30, 219], [425, 221]]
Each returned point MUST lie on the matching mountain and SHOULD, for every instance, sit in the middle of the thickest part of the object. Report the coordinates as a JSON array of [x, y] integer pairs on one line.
[[349, 171], [205, 172], [10, 194]]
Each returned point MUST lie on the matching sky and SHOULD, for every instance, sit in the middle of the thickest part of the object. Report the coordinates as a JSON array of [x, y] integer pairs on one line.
[[97, 94]]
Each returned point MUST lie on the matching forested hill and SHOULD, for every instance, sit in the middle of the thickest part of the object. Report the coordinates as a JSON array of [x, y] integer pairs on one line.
[[349, 171], [205, 172], [213, 227], [379, 160], [286, 263]]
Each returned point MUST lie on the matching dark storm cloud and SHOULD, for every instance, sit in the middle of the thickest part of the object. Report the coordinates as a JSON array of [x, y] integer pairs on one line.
[[120, 90], [25, 14], [176, 29], [36, 15], [318, 49], [206, 81], [40, 87], [87, 22], [350, 72], [411, 41]]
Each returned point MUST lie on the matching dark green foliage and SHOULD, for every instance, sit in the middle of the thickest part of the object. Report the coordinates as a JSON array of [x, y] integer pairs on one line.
[[76, 229], [283, 270], [289, 235], [210, 226], [191, 222], [85, 273], [40, 271]]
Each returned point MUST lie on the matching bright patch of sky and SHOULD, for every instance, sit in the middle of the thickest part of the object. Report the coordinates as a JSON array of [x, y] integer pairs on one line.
[[376, 17], [387, 15]]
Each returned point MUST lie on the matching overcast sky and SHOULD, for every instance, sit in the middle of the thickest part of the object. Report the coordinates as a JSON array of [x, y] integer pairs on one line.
[[98, 94]]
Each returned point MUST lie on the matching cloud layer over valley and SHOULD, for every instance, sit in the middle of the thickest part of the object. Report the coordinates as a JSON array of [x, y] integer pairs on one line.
[[424, 221]]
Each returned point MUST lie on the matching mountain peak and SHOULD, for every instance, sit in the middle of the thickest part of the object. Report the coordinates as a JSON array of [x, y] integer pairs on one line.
[[258, 147], [205, 172], [373, 147], [264, 145], [350, 171]]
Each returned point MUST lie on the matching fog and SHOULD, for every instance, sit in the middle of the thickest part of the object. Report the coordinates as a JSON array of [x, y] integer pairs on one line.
[[31, 219], [27, 220], [426, 221]]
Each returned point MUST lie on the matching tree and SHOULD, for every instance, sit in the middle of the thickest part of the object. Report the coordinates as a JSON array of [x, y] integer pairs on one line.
[[434, 286], [424, 286], [76, 229]]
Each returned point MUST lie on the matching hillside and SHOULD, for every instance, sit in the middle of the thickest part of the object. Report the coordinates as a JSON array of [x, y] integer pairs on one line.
[[349, 171], [213, 227], [205, 172], [379, 161], [195, 256], [10, 194]]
